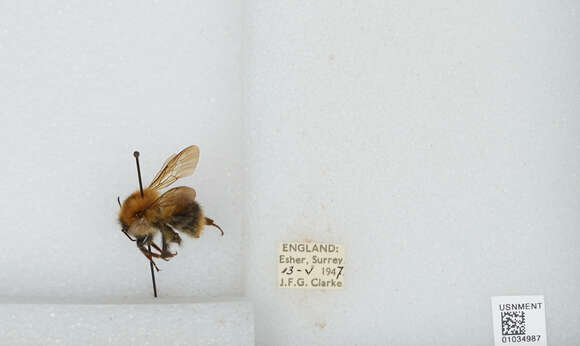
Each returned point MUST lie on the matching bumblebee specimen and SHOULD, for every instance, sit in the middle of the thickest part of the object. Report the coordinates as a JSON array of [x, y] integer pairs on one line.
[[145, 213]]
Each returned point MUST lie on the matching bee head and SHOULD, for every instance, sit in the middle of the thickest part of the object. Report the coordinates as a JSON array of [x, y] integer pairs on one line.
[[124, 226], [125, 229]]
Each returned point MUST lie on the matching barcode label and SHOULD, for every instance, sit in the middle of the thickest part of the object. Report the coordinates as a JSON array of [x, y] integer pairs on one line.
[[519, 320]]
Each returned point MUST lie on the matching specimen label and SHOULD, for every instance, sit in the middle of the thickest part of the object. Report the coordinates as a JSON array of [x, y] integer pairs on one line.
[[311, 265], [519, 320]]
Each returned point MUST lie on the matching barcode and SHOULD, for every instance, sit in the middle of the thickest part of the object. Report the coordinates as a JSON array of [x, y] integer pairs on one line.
[[513, 323]]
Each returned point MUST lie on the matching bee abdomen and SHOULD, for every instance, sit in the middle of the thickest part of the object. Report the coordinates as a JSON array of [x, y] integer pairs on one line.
[[189, 219]]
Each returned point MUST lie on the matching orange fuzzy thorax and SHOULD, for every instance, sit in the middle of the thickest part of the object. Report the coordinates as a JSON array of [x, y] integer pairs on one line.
[[136, 207]]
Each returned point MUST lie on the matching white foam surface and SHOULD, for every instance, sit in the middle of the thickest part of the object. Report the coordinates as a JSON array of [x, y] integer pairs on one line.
[[83, 85], [438, 142], [122, 321]]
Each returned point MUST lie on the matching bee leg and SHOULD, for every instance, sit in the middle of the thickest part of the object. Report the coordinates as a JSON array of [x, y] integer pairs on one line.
[[175, 238], [141, 245], [147, 240], [162, 255], [210, 222], [168, 236], [154, 246], [149, 257]]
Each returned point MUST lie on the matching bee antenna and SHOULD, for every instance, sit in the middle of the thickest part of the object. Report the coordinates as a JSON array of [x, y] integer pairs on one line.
[[128, 236], [119, 201]]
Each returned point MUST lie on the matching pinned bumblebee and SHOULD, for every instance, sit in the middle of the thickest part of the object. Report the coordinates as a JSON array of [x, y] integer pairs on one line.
[[146, 212]]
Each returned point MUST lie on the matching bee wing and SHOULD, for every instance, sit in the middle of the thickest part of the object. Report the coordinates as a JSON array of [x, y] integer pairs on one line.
[[174, 198], [177, 166]]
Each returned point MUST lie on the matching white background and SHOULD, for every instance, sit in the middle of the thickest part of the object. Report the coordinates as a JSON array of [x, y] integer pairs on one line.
[[437, 142], [82, 86]]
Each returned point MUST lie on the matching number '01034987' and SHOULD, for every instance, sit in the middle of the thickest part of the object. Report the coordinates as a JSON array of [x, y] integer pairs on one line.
[[519, 320], [520, 338]]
